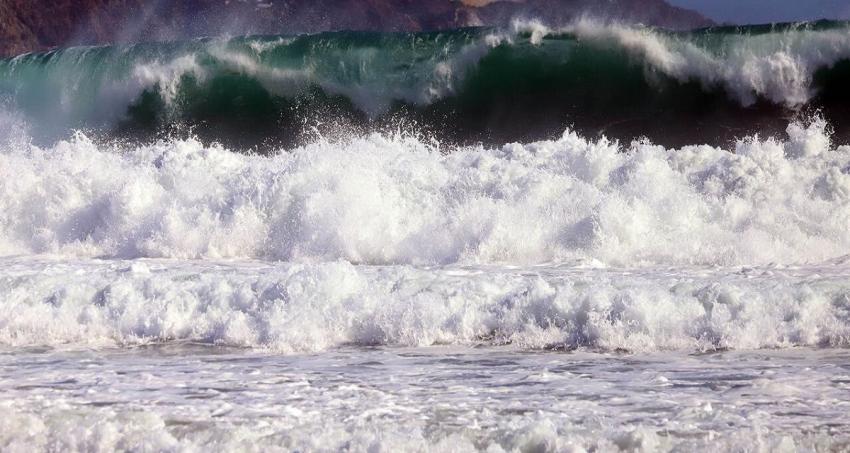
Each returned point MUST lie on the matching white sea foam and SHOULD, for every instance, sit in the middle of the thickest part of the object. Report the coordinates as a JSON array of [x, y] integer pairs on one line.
[[440, 226], [104, 430], [314, 307], [443, 399], [394, 241], [397, 200]]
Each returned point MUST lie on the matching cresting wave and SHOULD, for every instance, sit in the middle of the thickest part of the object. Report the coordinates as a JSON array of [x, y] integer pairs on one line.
[[466, 85]]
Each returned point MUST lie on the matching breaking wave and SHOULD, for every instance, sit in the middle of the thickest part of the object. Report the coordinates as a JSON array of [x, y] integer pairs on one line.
[[396, 199], [397, 237], [467, 85], [568, 243]]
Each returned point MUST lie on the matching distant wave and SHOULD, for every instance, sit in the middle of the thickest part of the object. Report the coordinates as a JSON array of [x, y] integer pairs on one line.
[[468, 85]]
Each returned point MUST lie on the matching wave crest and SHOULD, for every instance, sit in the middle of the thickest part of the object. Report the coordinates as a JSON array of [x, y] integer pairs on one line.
[[473, 84]]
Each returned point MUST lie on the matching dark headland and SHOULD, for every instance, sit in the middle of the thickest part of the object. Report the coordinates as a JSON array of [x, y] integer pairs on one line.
[[28, 25]]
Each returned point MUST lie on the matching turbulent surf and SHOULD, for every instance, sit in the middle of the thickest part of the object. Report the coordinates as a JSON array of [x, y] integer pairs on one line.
[[592, 238], [396, 202]]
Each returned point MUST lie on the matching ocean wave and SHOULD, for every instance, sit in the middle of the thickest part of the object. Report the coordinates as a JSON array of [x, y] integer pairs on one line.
[[391, 240], [475, 82], [779, 65]]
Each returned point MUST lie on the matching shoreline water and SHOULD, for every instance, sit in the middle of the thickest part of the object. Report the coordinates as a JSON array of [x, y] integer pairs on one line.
[[439, 399]]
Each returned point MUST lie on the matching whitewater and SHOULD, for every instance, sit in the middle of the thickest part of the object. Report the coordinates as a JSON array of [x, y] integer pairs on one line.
[[377, 290], [395, 289]]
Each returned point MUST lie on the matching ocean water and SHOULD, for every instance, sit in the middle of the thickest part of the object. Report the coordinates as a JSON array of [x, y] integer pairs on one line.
[[371, 282], [189, 397], [458, 87]]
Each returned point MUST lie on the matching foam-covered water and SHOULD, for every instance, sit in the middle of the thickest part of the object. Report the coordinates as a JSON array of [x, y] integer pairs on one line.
[[293, 308], [441, 399], [398, 200], [391, 292]]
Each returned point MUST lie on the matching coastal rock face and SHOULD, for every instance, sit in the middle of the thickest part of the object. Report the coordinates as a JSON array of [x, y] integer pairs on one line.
[[27, 25]]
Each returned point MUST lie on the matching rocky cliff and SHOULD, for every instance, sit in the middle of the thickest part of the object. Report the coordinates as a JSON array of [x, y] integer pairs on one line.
[[29, 25]]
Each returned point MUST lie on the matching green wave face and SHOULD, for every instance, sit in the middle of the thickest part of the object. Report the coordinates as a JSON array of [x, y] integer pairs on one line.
[[469, 84]]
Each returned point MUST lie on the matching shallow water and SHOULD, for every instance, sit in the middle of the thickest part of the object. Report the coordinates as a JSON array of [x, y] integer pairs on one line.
[[153, 355], [195, 397]]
